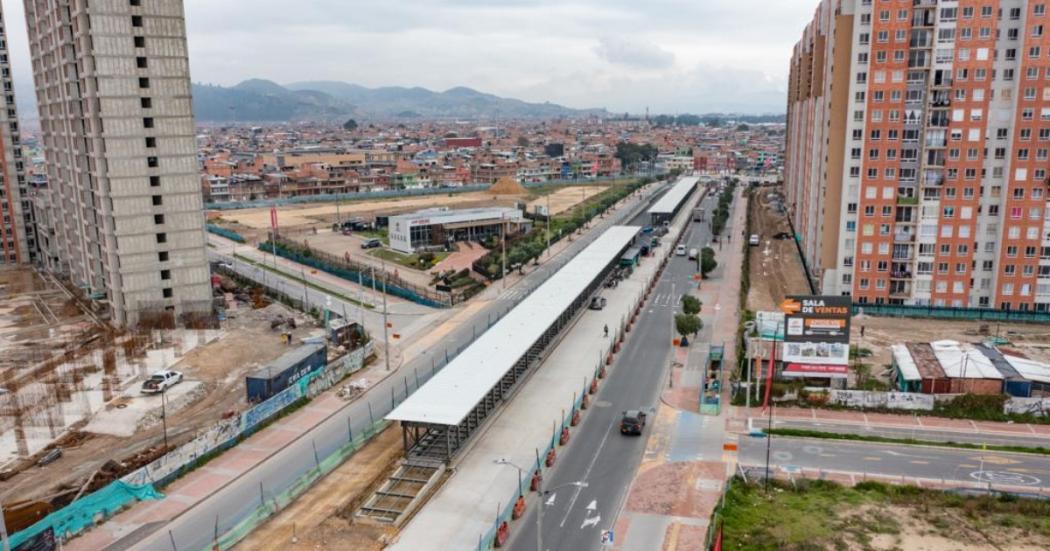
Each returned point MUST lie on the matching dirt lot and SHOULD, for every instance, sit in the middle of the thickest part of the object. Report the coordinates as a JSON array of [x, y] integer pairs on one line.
[[1030, 340], [247, 342], [320, 519], [565, 198], [775, 267]]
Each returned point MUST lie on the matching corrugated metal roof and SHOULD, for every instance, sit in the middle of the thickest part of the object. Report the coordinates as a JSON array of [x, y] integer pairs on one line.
[[286, 360], [905, 363], [1030, 369], [670, 201], [964, 361], [450, 396]]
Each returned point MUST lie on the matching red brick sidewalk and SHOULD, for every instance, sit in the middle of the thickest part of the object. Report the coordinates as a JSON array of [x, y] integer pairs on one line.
[[670, 503]]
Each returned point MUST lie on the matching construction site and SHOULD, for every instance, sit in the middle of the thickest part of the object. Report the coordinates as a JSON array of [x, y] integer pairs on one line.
[[72, 417], [776, 271]]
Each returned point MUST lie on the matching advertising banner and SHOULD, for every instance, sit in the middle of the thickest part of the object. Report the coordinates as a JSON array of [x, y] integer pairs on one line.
[[817, 318], [821, 353], [815, 370]]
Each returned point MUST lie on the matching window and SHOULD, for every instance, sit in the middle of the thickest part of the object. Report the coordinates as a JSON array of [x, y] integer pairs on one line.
[[140, 42], [157, 200], [158, 218], [136, 20], [143, 82], [146, 103], [165, 274], [154, 181], [162, 256], [162, 238], [152, 162], [166, 292], [136, 2], [151, 142], [147, 122]]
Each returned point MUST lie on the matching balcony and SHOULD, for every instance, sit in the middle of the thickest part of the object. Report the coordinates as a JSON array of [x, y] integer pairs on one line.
[[900, 275], [907, 201], [903, 237]]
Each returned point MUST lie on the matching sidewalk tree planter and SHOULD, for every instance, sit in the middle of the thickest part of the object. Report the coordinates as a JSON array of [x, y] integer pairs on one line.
[[707, 261], [687, 324]]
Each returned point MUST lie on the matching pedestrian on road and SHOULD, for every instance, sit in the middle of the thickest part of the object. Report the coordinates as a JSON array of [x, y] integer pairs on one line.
[[606, 331]]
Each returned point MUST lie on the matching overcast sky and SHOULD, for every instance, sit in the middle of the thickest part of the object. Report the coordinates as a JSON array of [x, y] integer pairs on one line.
[[673, 56]]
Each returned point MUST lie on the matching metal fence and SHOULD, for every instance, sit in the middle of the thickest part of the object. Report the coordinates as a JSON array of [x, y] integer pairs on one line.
[[360, 273], [934, 312]]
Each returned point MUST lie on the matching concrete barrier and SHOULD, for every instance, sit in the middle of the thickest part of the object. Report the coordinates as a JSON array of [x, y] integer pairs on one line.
[[1030, 406], [891, 400]]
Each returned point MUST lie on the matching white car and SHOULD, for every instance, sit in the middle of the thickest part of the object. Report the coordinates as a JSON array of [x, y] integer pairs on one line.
[[161, 381], [754, 241], [679, 250]]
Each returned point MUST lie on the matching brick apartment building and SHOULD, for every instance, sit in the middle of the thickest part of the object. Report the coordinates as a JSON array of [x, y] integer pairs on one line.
[[917, 151]]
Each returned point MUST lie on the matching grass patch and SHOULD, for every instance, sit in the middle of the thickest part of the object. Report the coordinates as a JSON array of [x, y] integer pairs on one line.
[[817, 514], [300, 280], [805, 433], [410, 260]]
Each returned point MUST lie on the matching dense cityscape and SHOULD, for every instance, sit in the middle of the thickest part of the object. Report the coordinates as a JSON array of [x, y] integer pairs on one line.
[[548, 280]]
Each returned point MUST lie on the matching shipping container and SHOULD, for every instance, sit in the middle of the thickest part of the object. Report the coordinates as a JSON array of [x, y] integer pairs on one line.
[[282, 372]]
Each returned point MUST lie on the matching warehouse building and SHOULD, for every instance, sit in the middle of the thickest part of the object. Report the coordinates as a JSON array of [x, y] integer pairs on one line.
[[433, 228]]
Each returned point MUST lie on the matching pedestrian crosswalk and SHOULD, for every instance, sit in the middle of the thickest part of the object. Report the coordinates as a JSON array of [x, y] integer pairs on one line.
[[662, 299]]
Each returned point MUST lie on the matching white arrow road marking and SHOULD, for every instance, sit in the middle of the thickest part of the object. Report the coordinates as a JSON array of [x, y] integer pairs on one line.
[[591, 522], [550, 500], [587, 473], [592, 505]]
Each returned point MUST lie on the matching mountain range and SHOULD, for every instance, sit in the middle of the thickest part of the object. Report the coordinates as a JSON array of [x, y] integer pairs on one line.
[[266, 101]]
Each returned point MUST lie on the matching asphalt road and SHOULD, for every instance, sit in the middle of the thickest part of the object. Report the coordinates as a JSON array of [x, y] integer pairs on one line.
[[193, 529], [916, 433], [599, 455], [951, 464]]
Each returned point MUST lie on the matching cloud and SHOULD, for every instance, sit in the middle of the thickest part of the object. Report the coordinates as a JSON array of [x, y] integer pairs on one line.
[[620, 54], [644, 55]]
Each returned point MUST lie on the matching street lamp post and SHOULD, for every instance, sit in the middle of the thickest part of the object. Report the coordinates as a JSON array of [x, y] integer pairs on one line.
[[541, 493]]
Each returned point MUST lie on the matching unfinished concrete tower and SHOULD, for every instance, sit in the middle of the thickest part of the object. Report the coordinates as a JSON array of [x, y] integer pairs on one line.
[[125, 207]]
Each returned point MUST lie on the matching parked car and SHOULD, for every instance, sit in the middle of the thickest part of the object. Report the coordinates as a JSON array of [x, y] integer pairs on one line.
[[597, 303], [371, 243], [754, 241], [679, 250], [161, 381], [632, 422], [693, 254]]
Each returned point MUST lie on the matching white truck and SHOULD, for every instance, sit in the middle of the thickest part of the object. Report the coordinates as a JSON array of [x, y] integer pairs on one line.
[[161, 381]]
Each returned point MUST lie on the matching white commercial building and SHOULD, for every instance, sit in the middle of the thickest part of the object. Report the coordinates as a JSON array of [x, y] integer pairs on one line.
[[439, 226], [125, 209]]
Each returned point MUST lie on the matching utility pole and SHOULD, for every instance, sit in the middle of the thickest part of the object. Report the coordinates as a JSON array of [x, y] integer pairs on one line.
[[164, 415], [386, 327], [548, 225], [503, 246]]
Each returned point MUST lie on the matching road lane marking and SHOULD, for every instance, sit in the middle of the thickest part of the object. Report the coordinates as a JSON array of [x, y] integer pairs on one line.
[[872, 458], [919, 462], [586, 474]]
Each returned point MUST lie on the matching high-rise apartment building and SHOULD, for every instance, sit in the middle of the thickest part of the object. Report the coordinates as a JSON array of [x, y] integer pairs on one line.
[[917, 151], [124, 216], [17, 239]]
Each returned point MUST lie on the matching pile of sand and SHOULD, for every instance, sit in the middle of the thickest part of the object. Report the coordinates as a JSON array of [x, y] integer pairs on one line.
[[507, 186]]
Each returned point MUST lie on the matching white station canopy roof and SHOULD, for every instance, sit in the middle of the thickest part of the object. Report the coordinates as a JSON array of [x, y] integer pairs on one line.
[[449, 397], [670, 201]]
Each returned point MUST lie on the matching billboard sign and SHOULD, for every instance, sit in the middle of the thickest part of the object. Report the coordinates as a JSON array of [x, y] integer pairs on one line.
[[822, 353], [815, 370], [817, 319]]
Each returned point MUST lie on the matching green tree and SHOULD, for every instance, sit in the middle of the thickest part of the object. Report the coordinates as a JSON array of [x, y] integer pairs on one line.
[[707, 261], [350, 125], [690, 304], [688, 324]]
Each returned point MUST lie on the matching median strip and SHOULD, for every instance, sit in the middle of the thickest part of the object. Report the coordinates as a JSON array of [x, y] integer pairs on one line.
[[298, 279], [804, 433]]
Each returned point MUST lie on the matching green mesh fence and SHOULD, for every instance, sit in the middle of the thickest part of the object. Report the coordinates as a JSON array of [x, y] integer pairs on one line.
[[282, 500], [84, 512], [228, 234], [488, 539]]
